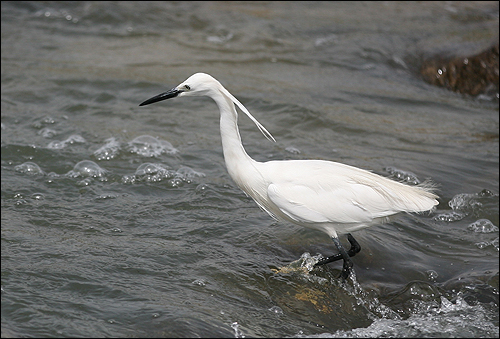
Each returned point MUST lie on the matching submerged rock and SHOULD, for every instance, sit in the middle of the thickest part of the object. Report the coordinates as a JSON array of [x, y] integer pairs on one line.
[[474, 75]]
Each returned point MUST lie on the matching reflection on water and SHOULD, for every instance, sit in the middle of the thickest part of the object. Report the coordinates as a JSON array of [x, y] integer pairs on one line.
[[119, 220]]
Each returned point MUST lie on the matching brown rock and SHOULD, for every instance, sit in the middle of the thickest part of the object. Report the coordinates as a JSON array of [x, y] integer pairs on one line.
[[473, 75]]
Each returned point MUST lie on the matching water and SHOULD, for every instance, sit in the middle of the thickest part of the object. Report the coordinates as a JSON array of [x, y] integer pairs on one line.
[[120, 220]]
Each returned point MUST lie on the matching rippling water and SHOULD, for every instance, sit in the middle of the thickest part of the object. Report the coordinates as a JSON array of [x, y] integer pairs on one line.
[[119, 220]]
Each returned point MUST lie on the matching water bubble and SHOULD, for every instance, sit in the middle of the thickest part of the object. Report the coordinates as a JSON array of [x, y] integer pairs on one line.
[[38, 196], [188, 172], [292, 150], [432, 275], [128, 179], [85, 182], [495, 243], [75, 139], [483, 244], [149, 146], [47, 132], [174, 183], [69, 141], [486, 193], [459, 201], [55, 145], [87, 169], [201, 188], [29, 168], [476, 203], [276, 310], [405, 176], [450, 217], [153, 172], [109, 151], [107, 196], [151, 168], [420, 290], [47, 120], [199, 282], [483, 226], [20, 202], [465, 202]]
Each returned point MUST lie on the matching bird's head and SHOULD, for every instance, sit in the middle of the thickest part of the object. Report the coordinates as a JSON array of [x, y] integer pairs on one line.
[[199, 84]]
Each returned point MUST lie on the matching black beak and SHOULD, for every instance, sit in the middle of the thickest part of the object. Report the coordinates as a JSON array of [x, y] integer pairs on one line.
[[163, 96]]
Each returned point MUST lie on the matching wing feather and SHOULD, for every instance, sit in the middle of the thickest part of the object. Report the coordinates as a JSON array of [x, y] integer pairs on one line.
[[327, 192]]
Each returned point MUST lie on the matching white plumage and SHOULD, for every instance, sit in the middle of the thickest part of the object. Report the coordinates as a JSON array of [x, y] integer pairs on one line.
[[329, 196]]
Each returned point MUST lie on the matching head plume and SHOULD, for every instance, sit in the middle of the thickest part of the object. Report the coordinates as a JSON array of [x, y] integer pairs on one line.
[[262, 129]]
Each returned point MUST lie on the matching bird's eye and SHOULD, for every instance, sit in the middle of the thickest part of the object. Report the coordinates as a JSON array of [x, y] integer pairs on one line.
[[187, 87]]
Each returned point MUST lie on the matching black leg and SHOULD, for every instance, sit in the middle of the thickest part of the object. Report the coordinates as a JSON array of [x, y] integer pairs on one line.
[[355, 248], [346, 269]]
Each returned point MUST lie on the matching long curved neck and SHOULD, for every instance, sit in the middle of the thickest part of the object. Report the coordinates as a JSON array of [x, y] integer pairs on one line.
[[237, 160]]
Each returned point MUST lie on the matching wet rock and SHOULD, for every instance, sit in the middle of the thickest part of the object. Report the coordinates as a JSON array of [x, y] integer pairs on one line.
[[474, 75]]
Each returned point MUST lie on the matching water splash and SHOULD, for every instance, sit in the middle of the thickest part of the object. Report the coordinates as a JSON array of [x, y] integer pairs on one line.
[[237, 332], [434, 320], [304, 264]]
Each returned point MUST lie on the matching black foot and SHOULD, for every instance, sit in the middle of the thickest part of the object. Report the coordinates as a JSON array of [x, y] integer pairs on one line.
[[355, 248]]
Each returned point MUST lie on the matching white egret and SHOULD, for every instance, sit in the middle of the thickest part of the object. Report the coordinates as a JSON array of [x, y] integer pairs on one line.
[[322, 195]]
